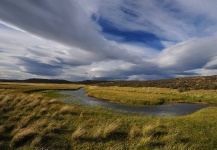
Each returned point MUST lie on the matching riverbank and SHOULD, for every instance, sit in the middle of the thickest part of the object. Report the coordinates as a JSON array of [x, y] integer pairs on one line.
[[142, 96], [79, 97], [35, 120]]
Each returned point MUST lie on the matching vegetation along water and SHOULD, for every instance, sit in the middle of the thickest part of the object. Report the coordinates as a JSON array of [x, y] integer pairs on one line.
[[32, 117]]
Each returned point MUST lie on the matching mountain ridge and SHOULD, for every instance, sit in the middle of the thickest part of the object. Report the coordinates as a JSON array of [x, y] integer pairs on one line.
[[182, 84]]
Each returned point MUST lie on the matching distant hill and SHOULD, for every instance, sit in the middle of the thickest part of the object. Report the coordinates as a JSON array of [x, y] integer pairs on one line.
[[182, 84], [36, 80]]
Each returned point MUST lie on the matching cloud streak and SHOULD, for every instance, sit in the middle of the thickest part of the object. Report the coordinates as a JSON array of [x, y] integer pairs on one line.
[[66, 23], [110, 39]]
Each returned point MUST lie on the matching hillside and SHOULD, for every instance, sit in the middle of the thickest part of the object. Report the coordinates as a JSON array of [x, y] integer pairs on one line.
[[183, 84], [37, 80]]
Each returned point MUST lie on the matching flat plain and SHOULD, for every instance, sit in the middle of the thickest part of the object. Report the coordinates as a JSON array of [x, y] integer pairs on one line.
[[32, 117]]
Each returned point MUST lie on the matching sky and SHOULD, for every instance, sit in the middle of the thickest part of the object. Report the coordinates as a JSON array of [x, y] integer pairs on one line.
[[107, 39]]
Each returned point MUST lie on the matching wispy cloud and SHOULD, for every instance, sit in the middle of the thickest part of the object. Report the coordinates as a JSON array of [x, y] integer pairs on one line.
[[170, 20], [68, 23], [192, 54], [110, 39]]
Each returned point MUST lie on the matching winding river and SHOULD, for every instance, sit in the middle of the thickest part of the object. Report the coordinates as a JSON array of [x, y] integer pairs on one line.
[[174, 109]]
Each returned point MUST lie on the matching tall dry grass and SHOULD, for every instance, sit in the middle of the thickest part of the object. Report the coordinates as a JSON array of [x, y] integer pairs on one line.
[[34, 121], [150, 95]]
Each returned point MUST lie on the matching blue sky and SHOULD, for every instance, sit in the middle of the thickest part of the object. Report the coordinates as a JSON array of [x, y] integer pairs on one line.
[[109, 39]]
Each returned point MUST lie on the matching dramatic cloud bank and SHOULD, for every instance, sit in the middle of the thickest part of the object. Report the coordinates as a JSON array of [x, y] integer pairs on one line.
[[110, 39]]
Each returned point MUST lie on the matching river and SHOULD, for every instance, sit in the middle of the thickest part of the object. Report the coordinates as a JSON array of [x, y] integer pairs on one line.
[[172, 109]]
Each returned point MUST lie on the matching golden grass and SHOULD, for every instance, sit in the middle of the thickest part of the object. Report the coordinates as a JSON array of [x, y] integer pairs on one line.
[[150, 95], [93, 130], [135, 132], [78, 133], [2, 129], [33, 121], [66, 110], [110, 127], [23, 136]]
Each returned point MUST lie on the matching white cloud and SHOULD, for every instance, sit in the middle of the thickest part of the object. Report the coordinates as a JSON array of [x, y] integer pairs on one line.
[[212, 64], [204, 72], [144, 77], [60, 39], [23, 55], [193, 54], [178, 20], [73, 26], [140, 50], [202, 7], [147, 16]]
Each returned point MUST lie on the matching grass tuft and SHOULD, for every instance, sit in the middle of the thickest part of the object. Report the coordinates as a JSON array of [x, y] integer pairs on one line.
[[34, 121], [78, 133], [135, 132], [23, 136], [111, 128]]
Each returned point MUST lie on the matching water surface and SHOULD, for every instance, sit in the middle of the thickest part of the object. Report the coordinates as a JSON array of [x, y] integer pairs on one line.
[[174, 109]]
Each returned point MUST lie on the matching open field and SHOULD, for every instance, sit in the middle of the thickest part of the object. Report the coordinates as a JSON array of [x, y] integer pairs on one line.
[[150, 95], [31, 118], [36, 87]]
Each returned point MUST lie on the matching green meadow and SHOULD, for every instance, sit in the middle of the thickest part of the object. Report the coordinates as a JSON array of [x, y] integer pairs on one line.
[[150, 95], [32, 117]]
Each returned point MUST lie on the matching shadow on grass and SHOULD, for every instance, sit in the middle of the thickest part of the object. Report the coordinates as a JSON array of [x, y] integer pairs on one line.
[[117, 136]]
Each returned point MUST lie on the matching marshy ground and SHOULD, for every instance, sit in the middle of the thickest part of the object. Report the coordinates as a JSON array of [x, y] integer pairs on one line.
[[31, 117], [141, 96]]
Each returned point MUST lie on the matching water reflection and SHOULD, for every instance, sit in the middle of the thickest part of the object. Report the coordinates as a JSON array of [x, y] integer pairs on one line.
[[175, 109]]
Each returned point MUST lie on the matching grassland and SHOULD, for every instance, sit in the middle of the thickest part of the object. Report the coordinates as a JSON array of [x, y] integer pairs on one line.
[[182, 84], [31, 118], [150, 95]]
